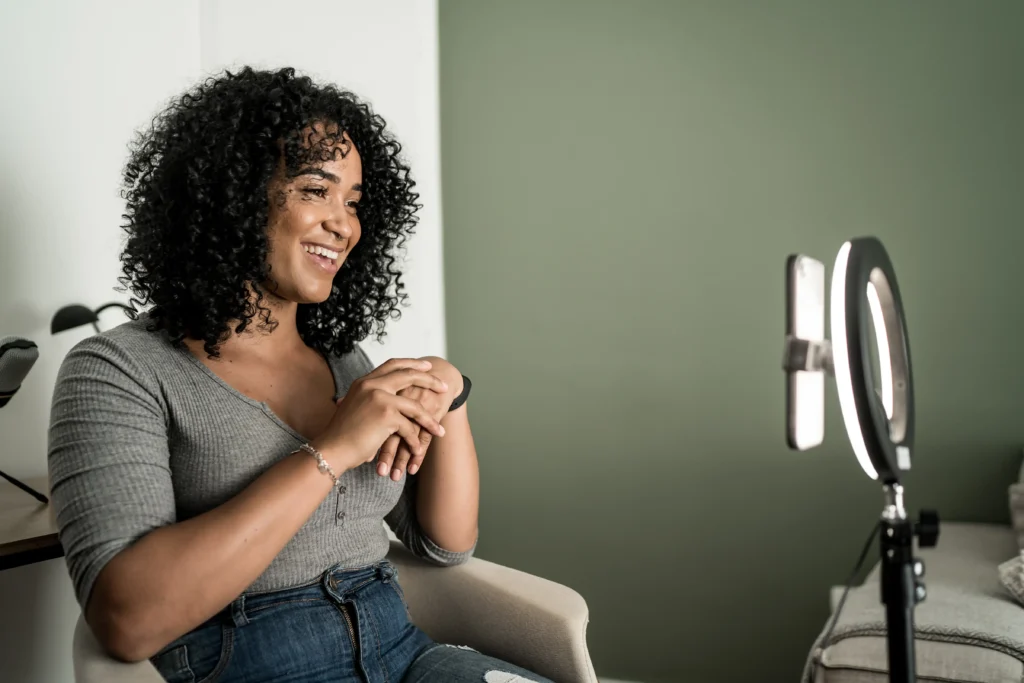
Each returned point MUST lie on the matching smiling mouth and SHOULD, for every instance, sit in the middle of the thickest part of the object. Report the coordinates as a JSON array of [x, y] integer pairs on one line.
[[324, 257]]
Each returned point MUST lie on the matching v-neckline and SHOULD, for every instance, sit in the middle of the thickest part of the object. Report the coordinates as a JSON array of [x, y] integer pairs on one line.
[[263, 405]]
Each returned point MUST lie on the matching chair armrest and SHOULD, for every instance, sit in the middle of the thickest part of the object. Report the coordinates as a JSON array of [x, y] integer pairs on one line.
[[522, 619], [93, 665]]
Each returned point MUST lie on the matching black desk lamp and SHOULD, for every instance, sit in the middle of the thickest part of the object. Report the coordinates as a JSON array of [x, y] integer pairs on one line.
[[866, 317], [77, 315]]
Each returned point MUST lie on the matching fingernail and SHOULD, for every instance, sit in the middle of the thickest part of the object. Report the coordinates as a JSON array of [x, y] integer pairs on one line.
[[413, 469], [441, 430], [382, 469], [396, 474]]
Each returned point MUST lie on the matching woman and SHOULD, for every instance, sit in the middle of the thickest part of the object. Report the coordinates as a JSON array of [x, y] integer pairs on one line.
[[221, 466]]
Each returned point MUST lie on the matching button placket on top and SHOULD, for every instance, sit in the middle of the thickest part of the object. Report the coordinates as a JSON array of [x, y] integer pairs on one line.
[[339, 511]]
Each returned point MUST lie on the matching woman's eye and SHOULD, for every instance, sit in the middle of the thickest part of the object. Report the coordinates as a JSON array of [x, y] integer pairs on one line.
[[353, 204], [318, 191]]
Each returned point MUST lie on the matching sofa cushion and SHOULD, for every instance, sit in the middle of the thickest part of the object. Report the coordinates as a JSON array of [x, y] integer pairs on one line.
[[864, 660], [968, 629]]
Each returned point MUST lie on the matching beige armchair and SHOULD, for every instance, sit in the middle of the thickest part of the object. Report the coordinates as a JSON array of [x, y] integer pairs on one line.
[[523, 619]]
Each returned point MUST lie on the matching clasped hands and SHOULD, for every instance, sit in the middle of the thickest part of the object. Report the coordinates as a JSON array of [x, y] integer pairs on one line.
[[395, 456], [391, 415]]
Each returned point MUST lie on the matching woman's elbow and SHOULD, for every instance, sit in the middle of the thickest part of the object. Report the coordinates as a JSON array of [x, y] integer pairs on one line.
[[123, 634], [450, 555], [123, 642], [465, 545]]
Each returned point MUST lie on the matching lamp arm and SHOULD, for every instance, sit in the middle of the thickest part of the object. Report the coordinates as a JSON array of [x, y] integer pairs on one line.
[[112, 305]]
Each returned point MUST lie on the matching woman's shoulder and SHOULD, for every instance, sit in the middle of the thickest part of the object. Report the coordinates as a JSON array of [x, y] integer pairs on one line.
[[130, 348]]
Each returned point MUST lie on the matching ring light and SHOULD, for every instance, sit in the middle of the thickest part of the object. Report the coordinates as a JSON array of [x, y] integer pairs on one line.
[[879, 418], [866, 317]]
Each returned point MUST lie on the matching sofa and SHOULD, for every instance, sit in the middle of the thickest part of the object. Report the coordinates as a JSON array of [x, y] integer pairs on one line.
[[969, 628], [523, 619]]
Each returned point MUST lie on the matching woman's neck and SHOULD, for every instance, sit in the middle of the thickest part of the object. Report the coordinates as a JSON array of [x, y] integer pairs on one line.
[[261, 340]]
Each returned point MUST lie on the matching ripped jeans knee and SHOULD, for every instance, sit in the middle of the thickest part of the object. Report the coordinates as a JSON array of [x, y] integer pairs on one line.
[[463, 664]]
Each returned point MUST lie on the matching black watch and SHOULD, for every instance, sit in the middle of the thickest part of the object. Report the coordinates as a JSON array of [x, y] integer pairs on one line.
[[461, 398]]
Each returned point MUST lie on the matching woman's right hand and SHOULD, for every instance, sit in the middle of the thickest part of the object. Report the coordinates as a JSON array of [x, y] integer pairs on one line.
[[372, 411]]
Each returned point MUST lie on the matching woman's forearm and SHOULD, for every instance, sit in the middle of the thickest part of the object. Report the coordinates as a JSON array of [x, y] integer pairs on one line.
[[448, 487], [178, 576]]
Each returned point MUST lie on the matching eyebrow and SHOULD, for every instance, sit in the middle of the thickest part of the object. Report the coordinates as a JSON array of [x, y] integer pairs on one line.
[[319, 172]]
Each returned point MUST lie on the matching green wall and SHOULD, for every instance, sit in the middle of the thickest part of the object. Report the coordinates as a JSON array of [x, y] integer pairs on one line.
[[622, 184]]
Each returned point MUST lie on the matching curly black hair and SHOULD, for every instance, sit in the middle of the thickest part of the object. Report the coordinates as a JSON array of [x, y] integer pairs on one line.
[[197, 209]]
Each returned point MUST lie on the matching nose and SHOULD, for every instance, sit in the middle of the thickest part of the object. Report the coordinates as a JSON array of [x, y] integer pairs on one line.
[[339, 225]]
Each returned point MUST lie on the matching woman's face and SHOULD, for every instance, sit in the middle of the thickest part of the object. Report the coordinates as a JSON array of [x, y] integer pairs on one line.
[[313, 225]]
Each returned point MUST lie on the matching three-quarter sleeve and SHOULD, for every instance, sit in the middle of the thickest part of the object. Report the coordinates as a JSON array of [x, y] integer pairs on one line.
[[402, 520], [108, 457]]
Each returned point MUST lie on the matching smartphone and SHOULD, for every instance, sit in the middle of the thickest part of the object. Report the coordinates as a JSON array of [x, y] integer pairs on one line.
[[805, 319]]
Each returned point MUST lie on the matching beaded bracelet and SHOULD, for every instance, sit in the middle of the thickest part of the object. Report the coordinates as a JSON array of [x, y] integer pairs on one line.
[[321, 463]]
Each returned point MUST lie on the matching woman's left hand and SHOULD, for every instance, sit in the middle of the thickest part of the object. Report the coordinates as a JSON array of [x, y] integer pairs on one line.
[[394, 457]]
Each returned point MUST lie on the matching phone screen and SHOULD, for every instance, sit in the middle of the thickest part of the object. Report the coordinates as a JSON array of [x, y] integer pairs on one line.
[[805, 319]]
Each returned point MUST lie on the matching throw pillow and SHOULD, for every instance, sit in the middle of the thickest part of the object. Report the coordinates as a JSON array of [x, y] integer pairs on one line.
[[1011, 572], [1011, 575], [1017, 512]]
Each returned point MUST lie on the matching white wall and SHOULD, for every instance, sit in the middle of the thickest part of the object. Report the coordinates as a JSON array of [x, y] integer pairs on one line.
[[74, 87], [78, 79], [386, 52], [76, 82]]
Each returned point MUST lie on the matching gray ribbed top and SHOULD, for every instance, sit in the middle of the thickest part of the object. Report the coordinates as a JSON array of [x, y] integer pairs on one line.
[[143, 434]]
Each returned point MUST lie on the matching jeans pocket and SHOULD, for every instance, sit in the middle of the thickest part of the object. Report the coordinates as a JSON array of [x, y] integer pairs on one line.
[[197, 657], [172, 665], [397, 588]]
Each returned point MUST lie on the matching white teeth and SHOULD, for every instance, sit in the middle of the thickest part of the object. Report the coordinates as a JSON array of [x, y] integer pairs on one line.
[[320, 251]]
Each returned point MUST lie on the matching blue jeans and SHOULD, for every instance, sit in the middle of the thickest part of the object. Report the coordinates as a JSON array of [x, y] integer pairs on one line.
[[352, 626]]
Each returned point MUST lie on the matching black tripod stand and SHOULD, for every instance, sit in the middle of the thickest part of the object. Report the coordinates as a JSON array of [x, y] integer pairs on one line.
[[902, 573]]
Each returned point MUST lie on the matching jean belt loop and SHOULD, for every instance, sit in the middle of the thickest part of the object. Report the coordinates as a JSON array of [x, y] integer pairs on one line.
[[238, 616]]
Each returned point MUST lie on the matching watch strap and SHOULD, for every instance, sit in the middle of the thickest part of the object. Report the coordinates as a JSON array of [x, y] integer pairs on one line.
[[461, 398]]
